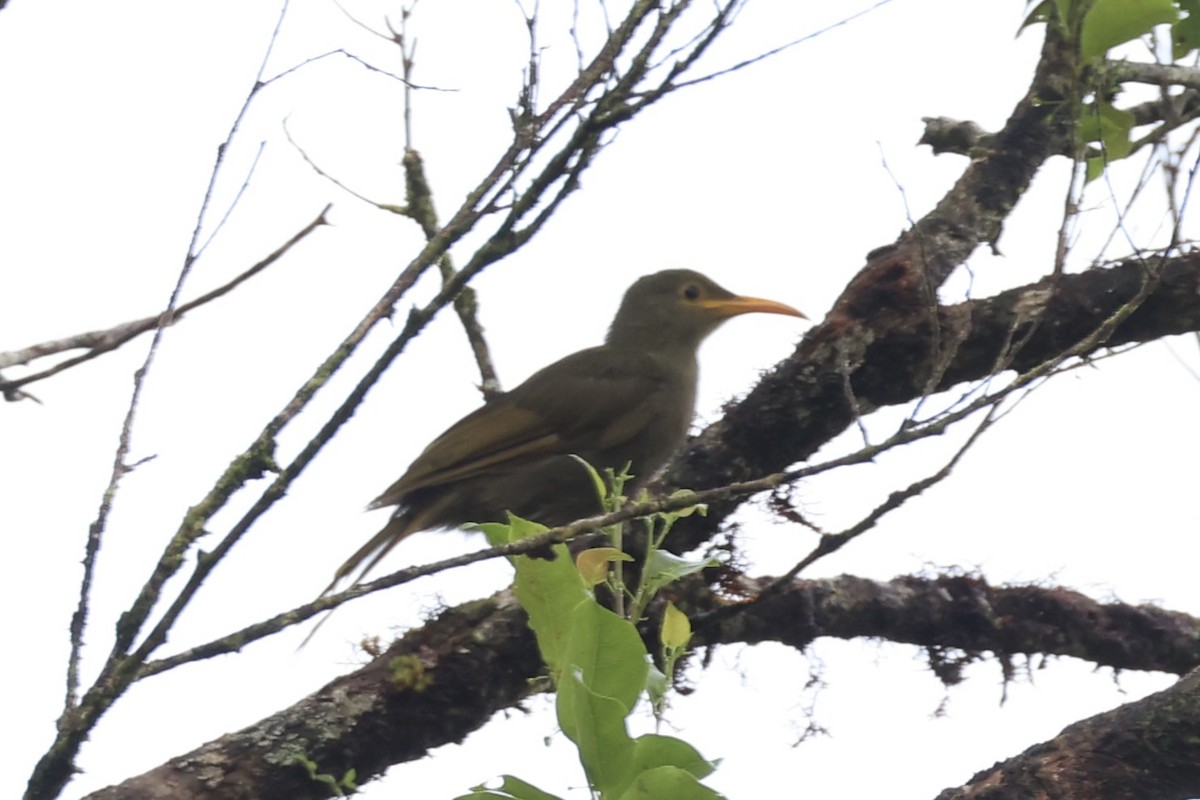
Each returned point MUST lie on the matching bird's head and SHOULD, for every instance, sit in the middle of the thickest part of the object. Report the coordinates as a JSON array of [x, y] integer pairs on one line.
[[678, 308]]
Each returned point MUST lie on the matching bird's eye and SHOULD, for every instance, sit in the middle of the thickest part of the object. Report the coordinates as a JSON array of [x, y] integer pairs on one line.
[[691, 291]]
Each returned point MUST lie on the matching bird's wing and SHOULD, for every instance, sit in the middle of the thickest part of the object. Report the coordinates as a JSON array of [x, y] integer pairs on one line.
[[596, 402], [582, 402]]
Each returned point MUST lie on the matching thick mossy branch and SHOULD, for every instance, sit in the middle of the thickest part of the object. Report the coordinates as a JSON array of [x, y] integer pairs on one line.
[[883, 342], [481, 658], [802, 403], [1148, 749], [474, 660], [965, 613]]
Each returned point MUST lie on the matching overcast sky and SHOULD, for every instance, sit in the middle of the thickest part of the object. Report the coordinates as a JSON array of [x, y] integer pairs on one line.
[[776, 181]]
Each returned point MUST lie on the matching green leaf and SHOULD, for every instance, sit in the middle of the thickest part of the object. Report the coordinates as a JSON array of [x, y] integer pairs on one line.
[[652, 751], [663, 568], [1185, 35], [1110, 127], [550, 590], [1035, 13], [597, 482], [676, 629], [1064, 10], [510, 789], [671, 782], [686, 511], [656, 686], [498, 533], [1113, 22], [596, 724], [609, 654]]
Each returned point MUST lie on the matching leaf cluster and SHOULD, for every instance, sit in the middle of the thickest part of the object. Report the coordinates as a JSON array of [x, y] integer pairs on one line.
[[1104, 131], [600, 666]]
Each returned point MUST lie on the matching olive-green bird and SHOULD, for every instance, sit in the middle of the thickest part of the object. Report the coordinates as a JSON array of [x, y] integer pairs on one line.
[[628, 401]]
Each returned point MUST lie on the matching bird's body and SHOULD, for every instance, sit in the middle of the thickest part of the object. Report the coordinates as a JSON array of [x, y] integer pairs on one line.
[[628, 401]]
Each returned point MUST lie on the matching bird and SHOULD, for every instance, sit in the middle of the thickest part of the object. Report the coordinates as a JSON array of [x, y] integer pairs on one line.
[[626, 403]]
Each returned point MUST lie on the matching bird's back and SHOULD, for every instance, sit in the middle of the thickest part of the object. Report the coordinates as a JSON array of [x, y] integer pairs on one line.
[[517, 452]]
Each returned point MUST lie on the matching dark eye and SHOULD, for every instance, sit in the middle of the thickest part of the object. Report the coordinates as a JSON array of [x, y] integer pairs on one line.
[[691, 291]]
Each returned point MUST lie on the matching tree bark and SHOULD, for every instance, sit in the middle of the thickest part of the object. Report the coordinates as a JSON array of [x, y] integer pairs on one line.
[[1147, 749], [444, 680]]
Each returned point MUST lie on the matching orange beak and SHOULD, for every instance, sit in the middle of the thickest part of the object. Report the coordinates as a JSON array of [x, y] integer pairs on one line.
[[733, 306]]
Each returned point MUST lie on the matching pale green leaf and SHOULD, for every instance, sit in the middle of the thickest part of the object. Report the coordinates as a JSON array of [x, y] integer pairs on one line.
[[676, 629], [1111, 128], [652, 750], [663, 568], [597, 482], [608, 652], [596, 724], [550, 590], [656, 685], [668, 782], [1185, 35], [511, 788], [1113, 22]]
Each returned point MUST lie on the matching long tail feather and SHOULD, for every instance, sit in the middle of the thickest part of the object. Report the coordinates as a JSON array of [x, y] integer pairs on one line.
[[398, 528]]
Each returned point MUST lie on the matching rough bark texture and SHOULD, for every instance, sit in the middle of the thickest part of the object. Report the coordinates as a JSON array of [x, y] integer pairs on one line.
[[1147, 749], [884, 334], [803, 403], [427, 689], [966, 614], [886, 341], [440, 682], [432, 687]]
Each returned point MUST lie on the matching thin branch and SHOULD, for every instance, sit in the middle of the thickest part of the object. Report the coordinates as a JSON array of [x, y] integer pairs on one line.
[[287, 132], [119, 468], [233, 203], [1177, 234], [356, 59], [55, 768], [1070, 212], [377, 714], [783, 47], [988, 403], [1153, 74], [419, 207], [100, 342], [558, 177], [559, 535], [832, 542]]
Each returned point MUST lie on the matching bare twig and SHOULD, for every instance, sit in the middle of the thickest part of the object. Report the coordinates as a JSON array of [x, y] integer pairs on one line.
[[832, 542], [989, 404], [100, 342], [120, 468], [782, 48], [56, 766], [420, 208], [548, 186]]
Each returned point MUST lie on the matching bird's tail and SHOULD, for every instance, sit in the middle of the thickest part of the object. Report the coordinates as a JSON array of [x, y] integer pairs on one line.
[[398, 528]]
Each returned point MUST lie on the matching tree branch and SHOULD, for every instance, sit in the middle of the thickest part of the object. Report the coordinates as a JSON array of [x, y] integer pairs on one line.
[[99, 342], [426, 689], [801, 404], [1141, 750]]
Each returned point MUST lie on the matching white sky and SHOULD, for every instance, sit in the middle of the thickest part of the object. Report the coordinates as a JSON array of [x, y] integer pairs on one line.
[[771, 181]]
